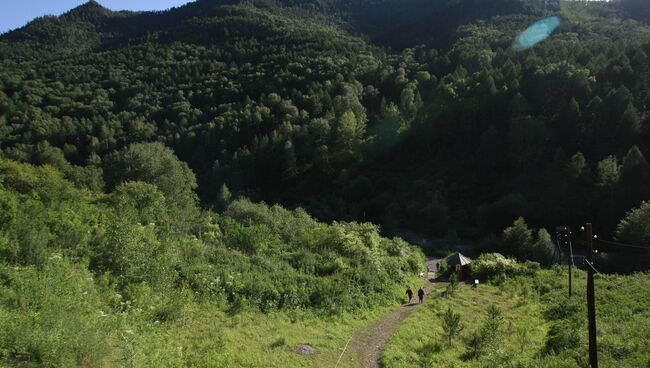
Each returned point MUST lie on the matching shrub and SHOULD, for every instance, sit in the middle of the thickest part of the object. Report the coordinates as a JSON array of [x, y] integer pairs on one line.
[[31, 234], [52, 316], [132, 253], [563, 335], [492, 266], [142, 201], [8, 208], [565, 309]]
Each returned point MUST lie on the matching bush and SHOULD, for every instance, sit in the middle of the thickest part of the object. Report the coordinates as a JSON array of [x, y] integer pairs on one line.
[[31, 234], [124, 254], [563, 335], [132, 253], [52, 316], [490, 266], [565, 309]]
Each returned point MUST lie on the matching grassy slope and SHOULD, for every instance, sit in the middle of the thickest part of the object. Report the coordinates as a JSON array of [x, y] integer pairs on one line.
[[623, 318], [419, 342], [203, 335], [208, 337]]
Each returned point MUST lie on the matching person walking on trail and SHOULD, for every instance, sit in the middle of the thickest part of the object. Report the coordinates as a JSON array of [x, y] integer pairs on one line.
[[409, 293], [421, 295]]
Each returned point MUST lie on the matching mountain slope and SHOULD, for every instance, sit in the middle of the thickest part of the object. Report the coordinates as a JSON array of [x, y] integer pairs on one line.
[[306, 103]]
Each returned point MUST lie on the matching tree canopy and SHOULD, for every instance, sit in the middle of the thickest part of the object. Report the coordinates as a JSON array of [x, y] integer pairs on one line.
[[353, 111]]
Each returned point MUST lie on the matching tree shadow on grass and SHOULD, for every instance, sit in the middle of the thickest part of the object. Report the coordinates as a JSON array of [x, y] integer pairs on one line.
[[427, 351]]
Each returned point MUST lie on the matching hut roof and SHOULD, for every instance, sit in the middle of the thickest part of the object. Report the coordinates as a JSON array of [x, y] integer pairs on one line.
[[458, 259]]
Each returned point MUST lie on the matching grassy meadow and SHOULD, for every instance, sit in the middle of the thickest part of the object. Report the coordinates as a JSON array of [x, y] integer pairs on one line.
[[540, 326]]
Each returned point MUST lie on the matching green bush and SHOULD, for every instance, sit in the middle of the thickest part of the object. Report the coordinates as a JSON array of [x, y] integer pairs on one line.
[[565, 309], [493, 266], [564, 335], [52, 316]]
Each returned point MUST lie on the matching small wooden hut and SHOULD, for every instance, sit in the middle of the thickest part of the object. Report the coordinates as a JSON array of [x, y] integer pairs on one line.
[[461, 265]]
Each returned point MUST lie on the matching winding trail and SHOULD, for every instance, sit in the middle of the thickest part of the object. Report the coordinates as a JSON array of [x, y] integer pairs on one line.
[[369, 343]]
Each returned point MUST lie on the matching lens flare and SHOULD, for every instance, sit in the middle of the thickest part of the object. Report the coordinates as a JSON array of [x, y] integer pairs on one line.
[[536, 33]]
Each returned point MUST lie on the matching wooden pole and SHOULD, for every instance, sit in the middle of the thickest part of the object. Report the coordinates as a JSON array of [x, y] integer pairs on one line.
[[591, 300], [570, 264]]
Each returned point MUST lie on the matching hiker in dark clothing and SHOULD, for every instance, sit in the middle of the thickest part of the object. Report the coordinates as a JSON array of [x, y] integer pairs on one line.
[[421, 295], [409, 293]]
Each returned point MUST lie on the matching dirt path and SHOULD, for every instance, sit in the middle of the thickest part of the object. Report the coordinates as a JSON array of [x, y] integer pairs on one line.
[[369, 343]]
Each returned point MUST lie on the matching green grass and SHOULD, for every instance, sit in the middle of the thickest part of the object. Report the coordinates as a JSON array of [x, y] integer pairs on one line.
[[208, 337], [58, 316], [531, 307], [420, 343], [245, 340]]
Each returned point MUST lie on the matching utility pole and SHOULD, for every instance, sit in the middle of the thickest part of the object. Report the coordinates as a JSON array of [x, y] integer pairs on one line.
[[570, 262], [591, 300]]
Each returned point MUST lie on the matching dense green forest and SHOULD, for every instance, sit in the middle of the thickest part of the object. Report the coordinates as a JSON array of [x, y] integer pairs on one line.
[[437, 129]]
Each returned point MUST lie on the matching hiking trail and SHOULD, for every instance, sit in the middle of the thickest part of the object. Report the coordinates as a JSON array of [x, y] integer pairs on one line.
[[369, 343]]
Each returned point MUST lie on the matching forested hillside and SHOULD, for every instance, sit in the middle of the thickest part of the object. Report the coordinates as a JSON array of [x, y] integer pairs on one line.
[[415, 115]]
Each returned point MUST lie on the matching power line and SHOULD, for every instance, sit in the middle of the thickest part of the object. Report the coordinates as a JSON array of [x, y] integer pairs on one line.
[[619, 244], [592, 266], [614, 243]]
